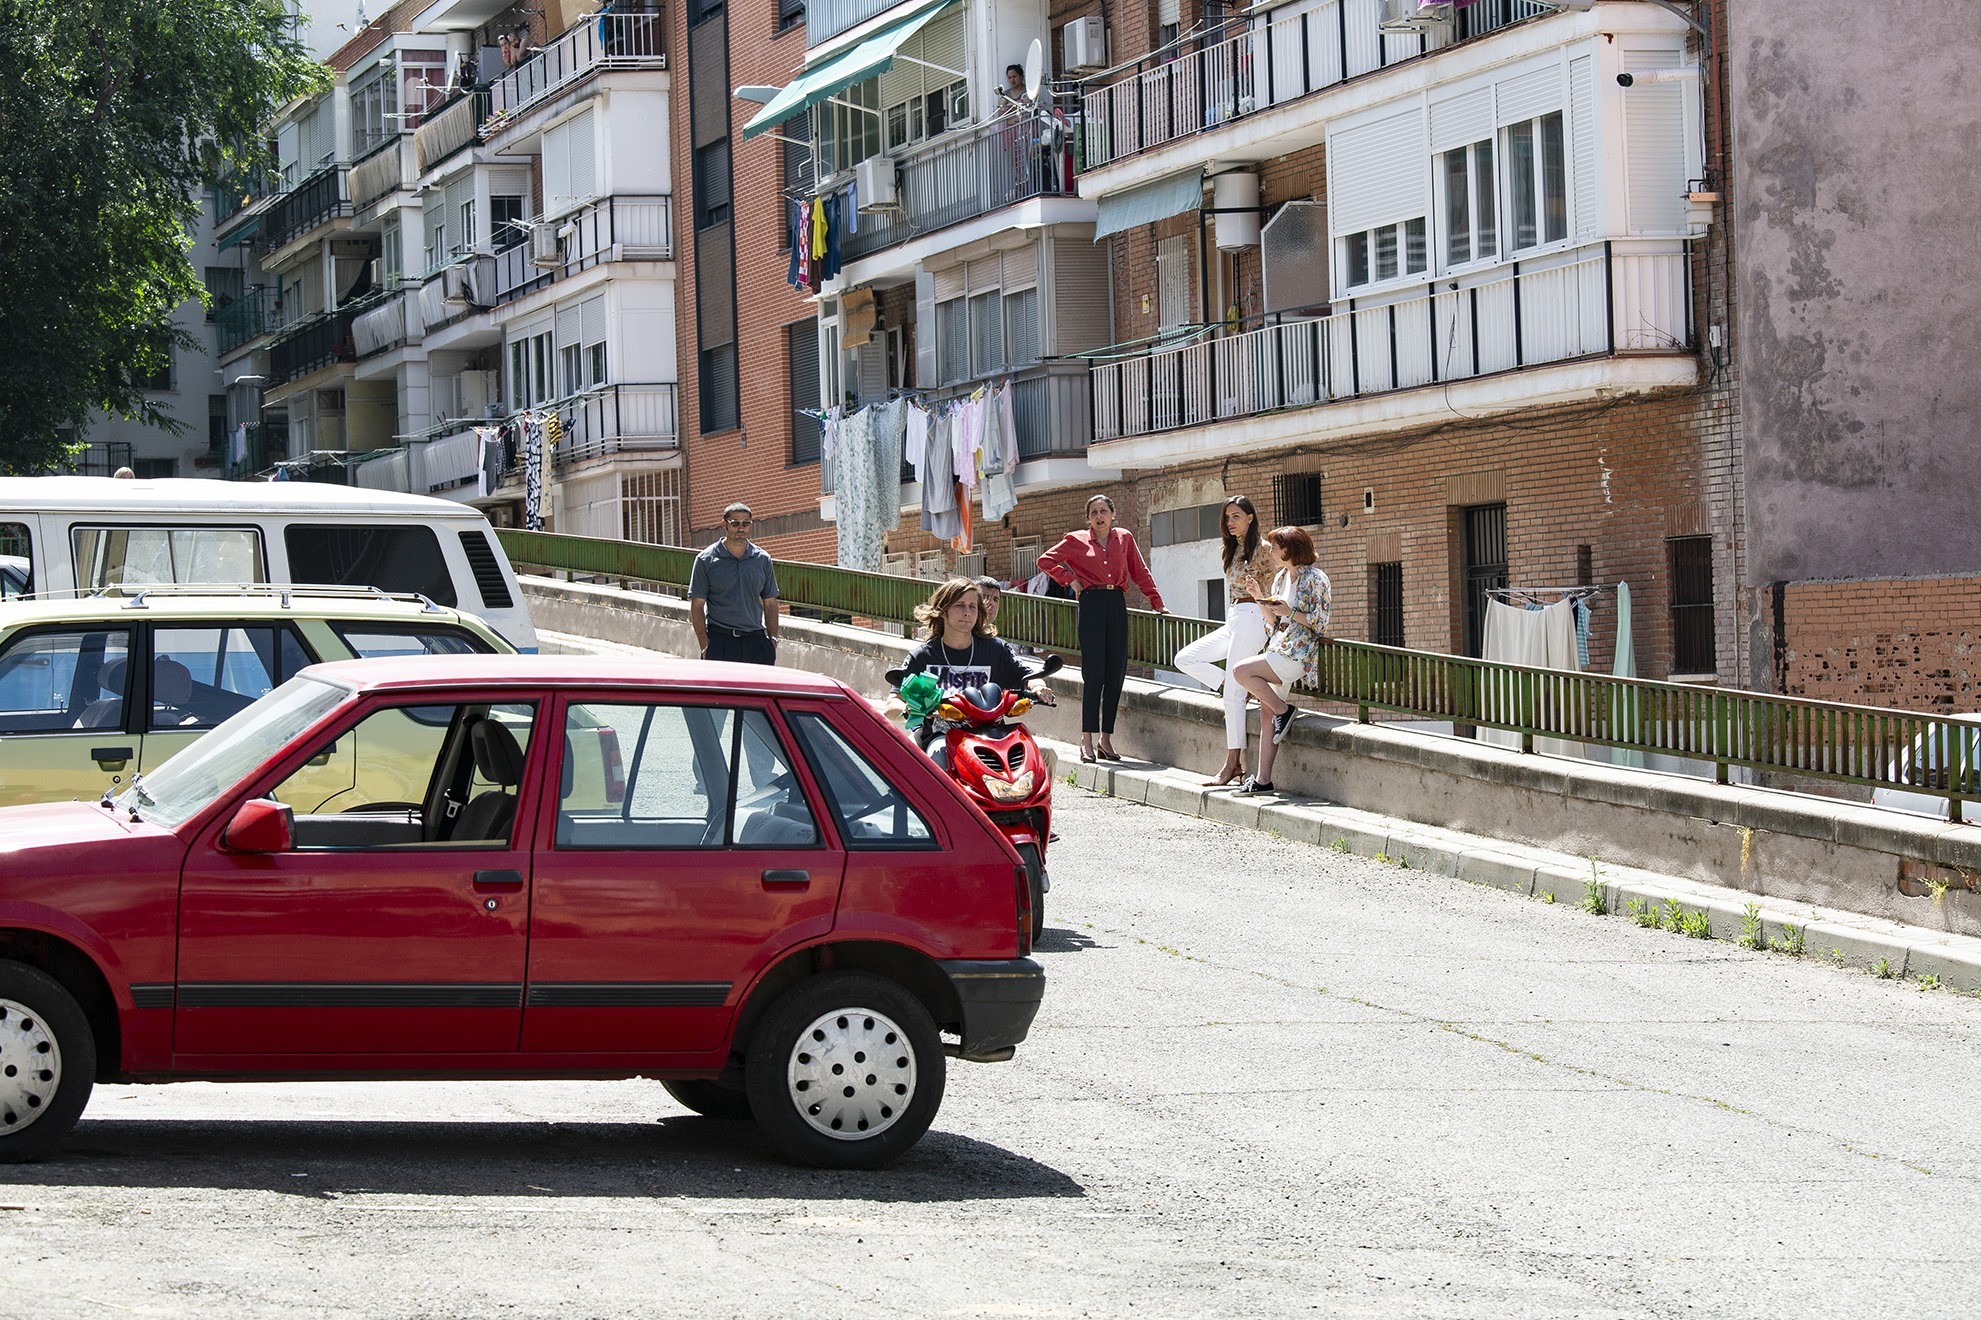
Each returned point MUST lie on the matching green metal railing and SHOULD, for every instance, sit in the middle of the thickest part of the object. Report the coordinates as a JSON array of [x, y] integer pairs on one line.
[[1864, 745]]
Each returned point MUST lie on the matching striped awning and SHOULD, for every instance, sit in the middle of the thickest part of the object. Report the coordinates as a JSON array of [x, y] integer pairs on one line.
[[869, 59]]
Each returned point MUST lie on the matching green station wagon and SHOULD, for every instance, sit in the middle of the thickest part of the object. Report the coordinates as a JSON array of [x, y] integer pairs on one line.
[[97, 688]]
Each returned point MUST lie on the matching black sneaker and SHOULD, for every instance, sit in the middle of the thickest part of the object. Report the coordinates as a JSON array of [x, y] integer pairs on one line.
[[1252, 784], [1281, 723]]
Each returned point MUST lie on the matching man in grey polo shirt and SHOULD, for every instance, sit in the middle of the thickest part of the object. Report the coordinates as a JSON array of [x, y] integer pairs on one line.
[[732, 595]]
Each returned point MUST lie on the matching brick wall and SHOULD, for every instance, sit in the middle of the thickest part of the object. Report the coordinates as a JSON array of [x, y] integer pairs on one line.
[[1910, 643]]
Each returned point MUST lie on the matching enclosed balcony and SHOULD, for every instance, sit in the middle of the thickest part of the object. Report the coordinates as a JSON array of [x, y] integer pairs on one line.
[[461, 287], [450, 129], [595, 44], [1601, 302], [388, 324], [1268, 56], [387, 168]]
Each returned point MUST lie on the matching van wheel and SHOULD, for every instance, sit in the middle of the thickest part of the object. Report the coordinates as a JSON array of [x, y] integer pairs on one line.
[[47, 1063], [845, 1071], [1035, 876], [710, 1099]]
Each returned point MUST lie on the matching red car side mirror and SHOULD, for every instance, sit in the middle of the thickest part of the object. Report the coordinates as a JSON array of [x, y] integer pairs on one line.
[[260, 826]]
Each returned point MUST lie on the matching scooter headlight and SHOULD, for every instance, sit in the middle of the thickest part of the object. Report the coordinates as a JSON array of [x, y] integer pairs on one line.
[[1014, 790]]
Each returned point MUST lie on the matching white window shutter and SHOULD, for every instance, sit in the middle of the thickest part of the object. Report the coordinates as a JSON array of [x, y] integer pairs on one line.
[[927, 373], [570, 326], [1529, 95], [583, 157], [1583, 167], [592, 320], [1462, 120], [1378, 173], [1654, 146]]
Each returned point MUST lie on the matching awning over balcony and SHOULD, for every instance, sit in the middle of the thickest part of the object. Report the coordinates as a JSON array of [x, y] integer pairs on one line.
[[869, 59], [1149, 203], [241, 235]]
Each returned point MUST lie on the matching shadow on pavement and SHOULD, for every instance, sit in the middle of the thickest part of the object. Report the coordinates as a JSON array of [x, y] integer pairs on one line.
[[1055, 939], [675, 1156]]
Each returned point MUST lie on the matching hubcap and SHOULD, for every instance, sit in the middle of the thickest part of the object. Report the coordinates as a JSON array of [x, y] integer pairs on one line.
[[30, 1066], [852, 1074]]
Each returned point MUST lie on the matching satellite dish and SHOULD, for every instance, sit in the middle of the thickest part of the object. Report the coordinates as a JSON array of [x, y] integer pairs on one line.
[[1035, 66]]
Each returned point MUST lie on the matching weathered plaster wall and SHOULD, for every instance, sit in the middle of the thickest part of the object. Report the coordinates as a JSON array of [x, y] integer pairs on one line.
[[1857, 186]]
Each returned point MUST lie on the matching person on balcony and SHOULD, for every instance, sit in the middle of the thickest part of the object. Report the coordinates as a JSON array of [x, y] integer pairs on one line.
[[1098, 564]]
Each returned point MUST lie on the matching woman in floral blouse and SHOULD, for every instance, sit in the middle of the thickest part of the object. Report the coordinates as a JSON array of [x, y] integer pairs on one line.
[[1299, 606]]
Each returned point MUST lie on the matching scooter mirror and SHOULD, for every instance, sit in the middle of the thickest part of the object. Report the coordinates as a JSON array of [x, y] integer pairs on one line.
[[899, 672], [1052, 665]]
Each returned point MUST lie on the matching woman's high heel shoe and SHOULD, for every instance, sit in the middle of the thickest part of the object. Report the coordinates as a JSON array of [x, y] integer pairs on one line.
[[1225, 777], [1087, 755], [1107, 754]]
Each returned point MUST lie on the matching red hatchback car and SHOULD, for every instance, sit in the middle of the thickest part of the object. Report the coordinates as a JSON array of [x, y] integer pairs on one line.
[[739, 880]]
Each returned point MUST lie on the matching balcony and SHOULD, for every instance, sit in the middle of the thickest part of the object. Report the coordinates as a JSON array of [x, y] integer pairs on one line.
[[601, 42], [387, 168], [1051, 403], [1597, 301], [248, 317], [313, 344], [950, 181], [602, 423], [323, 196], [610, 229], [1260, 60], [389, 324], [449, 129], [464, 285], [825, 19]]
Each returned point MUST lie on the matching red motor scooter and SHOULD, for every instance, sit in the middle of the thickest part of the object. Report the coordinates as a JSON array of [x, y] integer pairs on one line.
[[974, 735]]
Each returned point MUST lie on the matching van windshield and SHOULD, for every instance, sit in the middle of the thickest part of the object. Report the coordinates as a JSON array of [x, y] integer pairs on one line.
[[123, 556]]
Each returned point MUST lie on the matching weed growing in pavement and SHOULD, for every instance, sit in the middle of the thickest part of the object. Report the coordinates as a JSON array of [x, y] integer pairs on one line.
[[1938, 889], [1751, 934], [1548, 896], [1384, 857], [1671, 917], [1593, 901], [1272, 832], [1789, 941], [1402, 861], [1929, 981], [1644, 914], [1882, 969], [1340, 844], [1836, 955], [1697, 925], [1072, 778]]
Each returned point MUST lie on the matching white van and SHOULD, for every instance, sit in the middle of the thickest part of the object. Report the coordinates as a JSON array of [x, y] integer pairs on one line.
[[81, 533]]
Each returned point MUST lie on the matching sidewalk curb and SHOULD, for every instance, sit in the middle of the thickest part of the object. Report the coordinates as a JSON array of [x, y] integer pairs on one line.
[[1842, 939]]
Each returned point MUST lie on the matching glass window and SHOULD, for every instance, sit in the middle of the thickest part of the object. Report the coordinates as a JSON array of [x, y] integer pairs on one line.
[[202, 675], [660, 777], [16, 560], [411, 776], [986, 332], [506, 227], [391, 558], [74, 679], [1537, 182], [108, 556], [368, 641], [187, 783], [1466, 175], [871, 812], [1387, 253]]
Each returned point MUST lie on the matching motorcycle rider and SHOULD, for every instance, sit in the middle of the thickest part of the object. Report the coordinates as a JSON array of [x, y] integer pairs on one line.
[[962, 649]]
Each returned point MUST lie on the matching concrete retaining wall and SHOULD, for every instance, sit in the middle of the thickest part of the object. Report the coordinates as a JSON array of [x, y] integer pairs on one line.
[[1804, 849]]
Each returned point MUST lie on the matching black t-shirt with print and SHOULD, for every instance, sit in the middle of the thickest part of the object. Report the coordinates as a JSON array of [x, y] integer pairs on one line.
[[968, 666]]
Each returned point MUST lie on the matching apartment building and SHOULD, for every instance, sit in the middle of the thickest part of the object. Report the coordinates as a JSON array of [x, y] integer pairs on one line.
[[1444, 284], [962, 255], [466, 282]]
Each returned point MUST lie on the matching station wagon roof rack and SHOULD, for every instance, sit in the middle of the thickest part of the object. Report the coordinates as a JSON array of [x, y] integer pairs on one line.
[[140, 594]]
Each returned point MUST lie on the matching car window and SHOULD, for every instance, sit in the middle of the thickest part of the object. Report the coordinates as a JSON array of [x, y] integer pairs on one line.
[[391, 558], [68, 679], [448, 777], [640, 775], [872, 813], [109, 556], [189, 782], [202, 675], [16, 564], [368, 641]]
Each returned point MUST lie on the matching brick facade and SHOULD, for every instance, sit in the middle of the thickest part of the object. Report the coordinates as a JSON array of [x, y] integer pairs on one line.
[[1909, 643]]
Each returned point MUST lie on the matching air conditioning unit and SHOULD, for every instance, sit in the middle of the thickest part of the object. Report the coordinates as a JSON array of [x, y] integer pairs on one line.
[[1401, 16], [457, 285], [1083, 44], [874, 179], [545, 250]]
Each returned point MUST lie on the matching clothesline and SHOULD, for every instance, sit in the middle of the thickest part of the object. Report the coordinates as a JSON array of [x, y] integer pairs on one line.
[[1547, 595]]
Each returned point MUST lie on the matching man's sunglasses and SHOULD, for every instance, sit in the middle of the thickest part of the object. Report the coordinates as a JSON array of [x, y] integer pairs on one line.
[[739, 522]]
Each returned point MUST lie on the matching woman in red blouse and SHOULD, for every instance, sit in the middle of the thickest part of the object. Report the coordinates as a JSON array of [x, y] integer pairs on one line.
[[1098, 564]]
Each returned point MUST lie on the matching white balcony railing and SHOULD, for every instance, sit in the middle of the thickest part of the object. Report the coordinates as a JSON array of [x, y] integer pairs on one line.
[[1588, 302], [602, 41], [1260, 60], [610, 229]]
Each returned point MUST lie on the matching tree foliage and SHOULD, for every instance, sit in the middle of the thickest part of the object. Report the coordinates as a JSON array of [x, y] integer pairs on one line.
[[115, 117]]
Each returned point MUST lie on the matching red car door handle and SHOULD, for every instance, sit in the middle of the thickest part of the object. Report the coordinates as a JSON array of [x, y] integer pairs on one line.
[[498, 880], [787, 879]]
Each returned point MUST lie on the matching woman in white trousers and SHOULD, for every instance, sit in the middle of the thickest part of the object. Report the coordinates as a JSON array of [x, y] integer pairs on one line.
[[1247, 571]]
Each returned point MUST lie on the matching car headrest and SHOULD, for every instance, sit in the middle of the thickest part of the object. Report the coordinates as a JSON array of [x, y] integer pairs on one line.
[[498, 756], [110, 678], [171, 682], [569, 778]]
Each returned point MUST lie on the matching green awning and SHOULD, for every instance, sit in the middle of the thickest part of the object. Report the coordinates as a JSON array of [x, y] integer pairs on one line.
[[241, 235], [1149, 203], [869, 59]]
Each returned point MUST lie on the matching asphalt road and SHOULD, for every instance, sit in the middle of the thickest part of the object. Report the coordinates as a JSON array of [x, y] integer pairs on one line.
[[1269, 1079]]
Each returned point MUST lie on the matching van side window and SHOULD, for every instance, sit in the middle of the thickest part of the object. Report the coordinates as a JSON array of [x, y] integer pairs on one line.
[[130, 556], [16, 561], [390, 558]]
